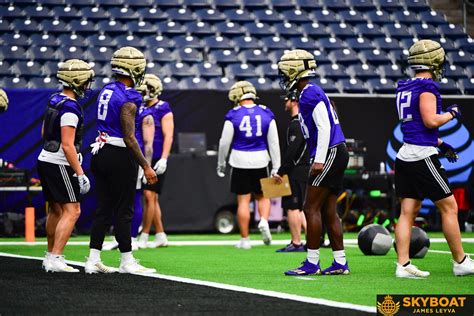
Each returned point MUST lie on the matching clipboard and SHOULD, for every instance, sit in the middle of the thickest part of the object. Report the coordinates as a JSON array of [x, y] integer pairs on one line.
[[273, 189]]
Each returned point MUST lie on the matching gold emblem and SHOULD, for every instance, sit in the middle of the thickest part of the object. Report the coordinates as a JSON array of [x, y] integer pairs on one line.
[[388, 307]]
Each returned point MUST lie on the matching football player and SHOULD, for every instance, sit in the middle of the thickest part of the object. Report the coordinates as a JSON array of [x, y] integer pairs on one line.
[[329, 158], [3, 101], [115, 160], [419, 173], [295, 163], [251, 131], [59, 166], [155, 135]]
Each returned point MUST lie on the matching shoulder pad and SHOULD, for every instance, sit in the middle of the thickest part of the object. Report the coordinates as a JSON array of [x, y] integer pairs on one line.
[[235, 108], [262, 106]]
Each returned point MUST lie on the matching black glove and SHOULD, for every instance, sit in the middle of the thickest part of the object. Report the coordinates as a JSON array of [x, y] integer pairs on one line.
[[448, 151], [454, 110]]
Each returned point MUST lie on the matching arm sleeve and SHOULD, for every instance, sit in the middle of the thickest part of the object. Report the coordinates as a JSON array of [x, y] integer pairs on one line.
[[274, 145], [293, 150], [321, 119], [69, 119], [225, 141]]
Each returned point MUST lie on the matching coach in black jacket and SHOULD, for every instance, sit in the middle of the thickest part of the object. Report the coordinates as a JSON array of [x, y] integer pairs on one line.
[[295, 163]]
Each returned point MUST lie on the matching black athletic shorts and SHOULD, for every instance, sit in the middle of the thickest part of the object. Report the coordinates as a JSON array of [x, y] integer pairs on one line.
[[421, 179], [158, 186], [333, 172], [296, 199], [244, 181], [59, 184]]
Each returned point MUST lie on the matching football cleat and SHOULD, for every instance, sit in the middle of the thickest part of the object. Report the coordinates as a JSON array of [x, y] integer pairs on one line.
[[46, 263], [265, 232], [98, 267], [158, 242], [243, 244], [307, 268], [134, 267], [111, 245], [58, 264], [291, 247], [337, 268], [410, 272], [464, 268]]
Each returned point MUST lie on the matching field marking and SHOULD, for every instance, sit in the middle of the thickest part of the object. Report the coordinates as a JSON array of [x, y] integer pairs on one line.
[[206, 242], [236, 288]]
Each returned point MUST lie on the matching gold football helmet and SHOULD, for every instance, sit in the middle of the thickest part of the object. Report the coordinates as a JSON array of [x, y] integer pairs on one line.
[[295, 65], [129, 61], [427, 55], [151, 87], [76, 74], [242, 90], [3, 101]]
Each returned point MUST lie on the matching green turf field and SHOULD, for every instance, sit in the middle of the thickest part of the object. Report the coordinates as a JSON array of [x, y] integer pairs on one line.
[[262, 268]]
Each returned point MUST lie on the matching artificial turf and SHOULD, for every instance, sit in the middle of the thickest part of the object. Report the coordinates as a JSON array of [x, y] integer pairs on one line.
[[262, 268]]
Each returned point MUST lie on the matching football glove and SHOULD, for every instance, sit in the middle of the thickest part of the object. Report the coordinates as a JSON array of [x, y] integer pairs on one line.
[[221, 170], [448, 152], [84, 183], [160, 166], [454, 110]]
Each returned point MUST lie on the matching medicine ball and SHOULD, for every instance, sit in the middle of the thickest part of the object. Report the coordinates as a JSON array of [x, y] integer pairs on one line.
[[419, 243], [374, 239]]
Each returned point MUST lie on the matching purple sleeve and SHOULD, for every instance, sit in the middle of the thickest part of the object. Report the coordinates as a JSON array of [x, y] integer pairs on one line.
[[71, 107], [229, 115], [165, 109], [134, 96], [429, 86]]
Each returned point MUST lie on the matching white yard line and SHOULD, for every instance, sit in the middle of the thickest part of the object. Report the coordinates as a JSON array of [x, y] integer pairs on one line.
[[205, 242], [222, 286]]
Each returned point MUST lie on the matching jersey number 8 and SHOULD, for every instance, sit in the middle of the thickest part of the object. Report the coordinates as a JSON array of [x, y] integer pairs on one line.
[[104, 99]]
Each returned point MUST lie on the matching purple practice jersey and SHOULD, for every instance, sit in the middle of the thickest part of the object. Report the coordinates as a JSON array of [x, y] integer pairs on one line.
[[142, 112], [310, 97], [109, 104], [159, 110], [408, 105], [250, 127]]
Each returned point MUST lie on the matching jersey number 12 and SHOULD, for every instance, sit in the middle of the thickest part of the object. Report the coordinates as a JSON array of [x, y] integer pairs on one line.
[[246, 127]]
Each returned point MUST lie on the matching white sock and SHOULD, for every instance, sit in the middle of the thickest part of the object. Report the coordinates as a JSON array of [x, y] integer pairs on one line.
[[94, 255], [144, 237], [160, 236], [313, 256], [263, 221], [339, 256], [245, 239], [126, 257]]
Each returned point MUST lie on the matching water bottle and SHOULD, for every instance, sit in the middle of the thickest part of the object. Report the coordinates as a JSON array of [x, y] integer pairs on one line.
[[382, 167]]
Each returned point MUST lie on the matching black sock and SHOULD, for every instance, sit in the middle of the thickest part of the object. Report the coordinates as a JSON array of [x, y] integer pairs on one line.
[[465, 256], [406, 264]]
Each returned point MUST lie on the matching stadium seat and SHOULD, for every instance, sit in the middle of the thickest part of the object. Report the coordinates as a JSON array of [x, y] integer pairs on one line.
[[210, 15], [361, 5], [465, 43], [259, 29], [187, 41], [159, 41], [94, 13], [226, 4], [65, 13], [448, 44], [268, 70], [71, 52], [352, 16], [369, 30], [197, 3], [11, 11], [359, 43], [123, 14], [454, 72], [283, 4], [207, 70], [362, 71], [5, 68], [14, 83], [344, 56], [332, 71], [382, 85], [100, 54], [287, 29], [264, 84], [328, 85], [189, 55], [405, 17], [449, 86], [310, 4], [460, 58], [416, 5], [296, 16], [396, 30], [341, 30], [352, 86], [314, 30], [163, 3], [275, 55], [113, 27], [324, 16], [239, 15], [130, 40], [240, 71], [393, 72], [55, 26], [225, 56], [170, 28], [331, 43], [160, 55], [386, 43], [425, 31], [141, 28], [25, 26], [267, 16], [334, 5], [222, 84], [221, 42], [467, 85], [101, 40], [152, 14], [179, 69], [451, 31], [254, 56], [27, 68], [194, 83], [300, 43], [248, 42], [374, 57], [180, 15], [110, 3], [83, 26], [13, 53], [41, 53], [43, 83], [390, 5], [229, 28], [13, 39], [200, 28], [44, 39], [255, 4], [37, 12], [432, 17], [378, 16]]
